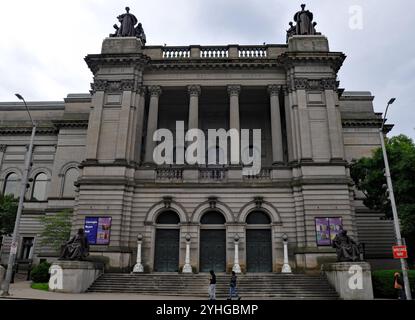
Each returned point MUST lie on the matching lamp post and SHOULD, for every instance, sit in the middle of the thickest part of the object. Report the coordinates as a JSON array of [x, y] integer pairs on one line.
[[286, 268], [138, 268], [393, 204], [23, 187], [187, 268], [236, 267]]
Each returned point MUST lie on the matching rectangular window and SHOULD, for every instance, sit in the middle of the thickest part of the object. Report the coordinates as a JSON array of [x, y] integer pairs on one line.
[[327, 229], [27, 248]]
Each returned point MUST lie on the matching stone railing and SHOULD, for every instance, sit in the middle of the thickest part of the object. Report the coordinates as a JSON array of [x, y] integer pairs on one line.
[[214, 52], [252, 52], [176, 52], [212, 174], [169, 174], [264, 174]]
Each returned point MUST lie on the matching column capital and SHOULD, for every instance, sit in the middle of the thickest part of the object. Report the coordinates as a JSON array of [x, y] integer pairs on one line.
[[3, 147], [155, 91], [194, 90], [274, 89], [142, 90], [234, 90]]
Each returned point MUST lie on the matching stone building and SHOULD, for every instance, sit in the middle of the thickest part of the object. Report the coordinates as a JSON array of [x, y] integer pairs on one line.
[[94, 155]]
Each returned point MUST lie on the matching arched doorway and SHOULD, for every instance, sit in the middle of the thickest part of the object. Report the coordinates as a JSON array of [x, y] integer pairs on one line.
[[213, 242], [258, 242], [167, 244]]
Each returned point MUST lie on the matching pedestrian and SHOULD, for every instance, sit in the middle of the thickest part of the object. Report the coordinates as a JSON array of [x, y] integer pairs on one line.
[[212, 285], [399, 286], [233, 290]]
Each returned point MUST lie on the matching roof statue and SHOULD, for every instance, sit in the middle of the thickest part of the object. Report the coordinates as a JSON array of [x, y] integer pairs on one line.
[[305, 24], [128, 27]]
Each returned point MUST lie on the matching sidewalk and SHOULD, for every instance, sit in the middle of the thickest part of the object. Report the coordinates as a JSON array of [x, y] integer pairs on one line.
[[22, 290]]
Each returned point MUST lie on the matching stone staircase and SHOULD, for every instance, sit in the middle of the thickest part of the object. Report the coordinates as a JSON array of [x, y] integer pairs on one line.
[[250, 286]]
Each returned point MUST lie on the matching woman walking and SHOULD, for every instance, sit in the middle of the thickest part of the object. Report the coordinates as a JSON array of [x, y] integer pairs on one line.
[[212, 285], [233, 291], [399, 286]]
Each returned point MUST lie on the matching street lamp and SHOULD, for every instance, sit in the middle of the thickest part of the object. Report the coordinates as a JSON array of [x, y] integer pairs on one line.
[[393, 204], [23, 186]]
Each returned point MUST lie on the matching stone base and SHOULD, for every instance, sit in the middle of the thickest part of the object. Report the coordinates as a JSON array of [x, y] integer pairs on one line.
[[73, 276], [352, 280], [316, 43], [118, 45]]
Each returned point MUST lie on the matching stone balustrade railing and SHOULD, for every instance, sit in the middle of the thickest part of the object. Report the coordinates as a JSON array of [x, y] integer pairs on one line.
[[212, 174], [169, 174], [264, 174], [214, 52]]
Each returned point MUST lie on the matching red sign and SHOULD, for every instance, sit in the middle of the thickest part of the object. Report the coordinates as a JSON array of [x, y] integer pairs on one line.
[[400, 252]]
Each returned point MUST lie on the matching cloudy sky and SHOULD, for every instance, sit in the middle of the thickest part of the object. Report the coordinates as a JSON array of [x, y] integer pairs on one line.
[[43, 42]]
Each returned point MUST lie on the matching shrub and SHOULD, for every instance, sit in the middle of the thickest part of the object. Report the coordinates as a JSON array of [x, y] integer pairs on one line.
[[383, 283], [40, 273]]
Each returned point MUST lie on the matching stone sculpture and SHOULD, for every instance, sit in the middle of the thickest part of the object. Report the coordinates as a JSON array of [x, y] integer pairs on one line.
[[346, 248], [128, 27], [77, 248]]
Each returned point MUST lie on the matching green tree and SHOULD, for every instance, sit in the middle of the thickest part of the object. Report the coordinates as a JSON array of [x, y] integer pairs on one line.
[[8, 210], [368, 175], [56, 229]]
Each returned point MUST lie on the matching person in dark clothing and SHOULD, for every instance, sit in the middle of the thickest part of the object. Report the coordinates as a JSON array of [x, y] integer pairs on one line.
[[233, 291], [399, 286], [212, 285]]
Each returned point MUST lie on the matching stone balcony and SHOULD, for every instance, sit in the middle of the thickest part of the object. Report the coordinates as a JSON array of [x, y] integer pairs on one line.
[[209, 175], [269, 51]]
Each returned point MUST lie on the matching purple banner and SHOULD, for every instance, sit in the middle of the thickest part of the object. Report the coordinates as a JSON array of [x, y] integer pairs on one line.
[[336, 224], [323, 232], [97, 230]]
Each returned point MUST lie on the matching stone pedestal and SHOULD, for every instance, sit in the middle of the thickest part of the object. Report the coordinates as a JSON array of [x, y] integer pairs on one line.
[[352, 280], [122, 45], [73, 276], [315, 43]]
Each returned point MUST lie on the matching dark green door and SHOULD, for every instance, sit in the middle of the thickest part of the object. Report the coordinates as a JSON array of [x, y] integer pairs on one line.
[[258, 251], [213, 250], [167, 250]]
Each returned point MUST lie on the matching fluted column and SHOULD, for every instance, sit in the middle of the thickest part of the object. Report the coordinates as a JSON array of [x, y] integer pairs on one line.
[[234, 122], [194, 93], [155, 92], [276, 125]]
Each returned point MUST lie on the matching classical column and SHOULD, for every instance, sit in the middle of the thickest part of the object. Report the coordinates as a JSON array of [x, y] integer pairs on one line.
[[236, 267], [139, 123], [234, 92], [187, 268], [138, 268], [194, 93], [155, 92], [276, 129], [286, 267]]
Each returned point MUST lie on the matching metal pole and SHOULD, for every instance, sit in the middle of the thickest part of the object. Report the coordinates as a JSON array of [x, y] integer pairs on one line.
[[395, 212], [13, 247]]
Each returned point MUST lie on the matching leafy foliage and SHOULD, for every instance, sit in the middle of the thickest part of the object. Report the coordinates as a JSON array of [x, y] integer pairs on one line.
[[383, 285], [8, 210], [368, 175], [56, 229], [40, 273]]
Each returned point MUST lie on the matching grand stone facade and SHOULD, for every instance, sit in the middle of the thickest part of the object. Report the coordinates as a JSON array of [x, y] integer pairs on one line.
[[94, 155]]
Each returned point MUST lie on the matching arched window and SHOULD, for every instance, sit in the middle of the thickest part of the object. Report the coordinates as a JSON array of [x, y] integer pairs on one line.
[[71, 176], [40, 186], [258, 217], [212, 217], [168, 217], [11, 185]]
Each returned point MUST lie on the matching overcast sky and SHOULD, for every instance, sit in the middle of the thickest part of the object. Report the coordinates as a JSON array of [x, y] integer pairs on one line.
[[43, 42]]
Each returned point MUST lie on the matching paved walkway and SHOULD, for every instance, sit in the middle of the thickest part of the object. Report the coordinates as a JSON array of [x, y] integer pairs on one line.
[[22, 290]]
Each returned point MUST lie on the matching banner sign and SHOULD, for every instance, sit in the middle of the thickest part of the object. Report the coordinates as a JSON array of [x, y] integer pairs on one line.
[[98, 230], [327, 229]]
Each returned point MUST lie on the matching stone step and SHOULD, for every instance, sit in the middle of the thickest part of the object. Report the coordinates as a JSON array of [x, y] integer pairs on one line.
[[260, 286]]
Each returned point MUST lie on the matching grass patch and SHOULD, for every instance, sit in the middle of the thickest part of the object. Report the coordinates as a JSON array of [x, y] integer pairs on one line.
[[40, 286]]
